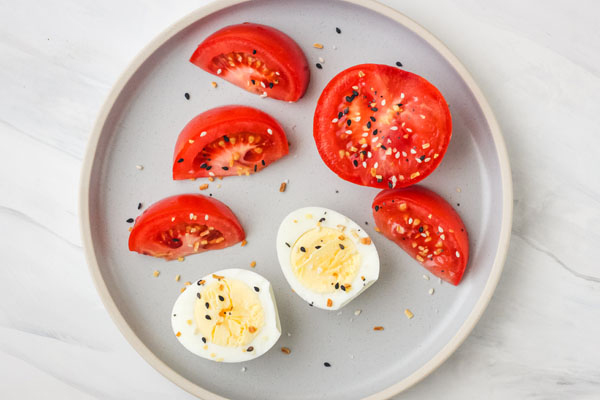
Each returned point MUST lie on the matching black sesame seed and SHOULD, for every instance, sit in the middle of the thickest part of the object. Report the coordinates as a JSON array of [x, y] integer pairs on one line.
[[311, 304], [221, 298], [327, 364], [209, 167], [200, 282], [383, 147], [187, 96], [139, 206], [203, 339], [349, 99], [340, 115], [422, 158], [458, 204], [319, 65], [180, 160], [207, 316], [376, 208], [256, 289], [287, 244], [129, 220], [372, 118], [354, 93], [226, 138], [349, 122], [400, 104], [346, 110], [198, 295], [253, 51], [262, 162], [375, 132], [317, 247], [355, 162], [174, 315], [338, 30], [302, 249], [203, 165], [225, 168], [176, 240], [343, 288], [369, 124], [337, 191], [379, 180], [255, 167], [207, 304], [253, 81], [374, 109], [337, 285], [322, 219], [250, 348], [210, 194], [398, 64], [421, 229], [342, 246]]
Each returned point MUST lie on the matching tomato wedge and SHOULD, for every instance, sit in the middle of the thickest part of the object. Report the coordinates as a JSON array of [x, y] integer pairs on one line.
[[184, 224], [257, 58], [381, 126], [229, 140], [424, 225]]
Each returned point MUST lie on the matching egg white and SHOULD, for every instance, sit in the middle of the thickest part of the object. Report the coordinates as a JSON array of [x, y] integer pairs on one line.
[[183, 310], [290, 231]]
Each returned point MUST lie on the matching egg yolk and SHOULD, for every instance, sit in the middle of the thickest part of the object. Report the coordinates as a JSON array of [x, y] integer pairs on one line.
[[228, 313], [325, 260]]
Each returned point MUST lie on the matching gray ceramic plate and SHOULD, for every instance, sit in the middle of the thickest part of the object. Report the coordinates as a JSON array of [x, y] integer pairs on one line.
[[139, 125]]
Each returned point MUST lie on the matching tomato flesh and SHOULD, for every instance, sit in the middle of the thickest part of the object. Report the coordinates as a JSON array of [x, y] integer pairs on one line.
[[424, 225], [184, 224], [257, 58], [229, 140], [381, 126]]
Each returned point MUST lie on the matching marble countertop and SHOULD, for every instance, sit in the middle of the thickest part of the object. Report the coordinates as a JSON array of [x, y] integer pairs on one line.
[[538, 64]]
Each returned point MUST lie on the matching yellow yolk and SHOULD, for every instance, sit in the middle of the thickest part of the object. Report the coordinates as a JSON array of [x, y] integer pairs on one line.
[[228, 313], [324, 259]]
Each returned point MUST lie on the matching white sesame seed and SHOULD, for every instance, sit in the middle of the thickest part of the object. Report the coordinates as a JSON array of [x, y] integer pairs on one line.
[[457, 254], [219, 71], [357, 119], [422, 116], [263, 95], [426, 277], [203, 134], [418, 160], [349, 132], [458, 190], [424, 235], [369, 154], [365, 134], [243, 369], [374, 140], [364, 164], [404, 123], [401, 95], [321, 60], [206, 217], [398, 155], [270, 131], [364, 145], [140, 167], [413, 151], [440, 229], [355, 87], [410, 220], [383, 102], [263, 84], [394, 128], [425, 146], [408, 130], [277, 73], [443, 236], [172, 219], [404, 154], [211, 173], [289, 334], [431, 291], [427, 159]]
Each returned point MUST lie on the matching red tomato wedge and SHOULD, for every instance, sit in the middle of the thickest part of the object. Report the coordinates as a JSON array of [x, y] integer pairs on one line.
[[257, 58], [229, 140], [381, 126], [184, 224], [424, 225]]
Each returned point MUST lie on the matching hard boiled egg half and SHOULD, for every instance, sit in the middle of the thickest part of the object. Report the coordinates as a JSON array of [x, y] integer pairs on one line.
[[326, 257], [227, 316]]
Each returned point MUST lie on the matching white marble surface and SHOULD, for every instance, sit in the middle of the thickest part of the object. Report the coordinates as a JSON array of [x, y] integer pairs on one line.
[[538, 62]]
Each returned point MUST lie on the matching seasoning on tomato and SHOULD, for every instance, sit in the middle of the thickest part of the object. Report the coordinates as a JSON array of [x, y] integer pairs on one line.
[[184, 224], [258, 58], [381, 126], [424, 225], [228, 140]]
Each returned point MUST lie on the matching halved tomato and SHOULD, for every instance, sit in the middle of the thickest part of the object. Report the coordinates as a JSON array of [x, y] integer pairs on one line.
[[424, 225], [228, 140], [257, 58], [380, 126], [184, 224]]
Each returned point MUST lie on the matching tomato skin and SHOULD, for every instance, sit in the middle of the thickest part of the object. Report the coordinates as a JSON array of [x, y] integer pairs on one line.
[[181, 211], [210, 127], [391, 207], [400, 126], [271, 47]]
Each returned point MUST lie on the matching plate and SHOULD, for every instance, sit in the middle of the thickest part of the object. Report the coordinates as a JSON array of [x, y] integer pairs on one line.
[[138, 125]]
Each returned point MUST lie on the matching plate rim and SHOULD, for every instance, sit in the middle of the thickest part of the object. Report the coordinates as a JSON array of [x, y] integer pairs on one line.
[[88, 162]]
